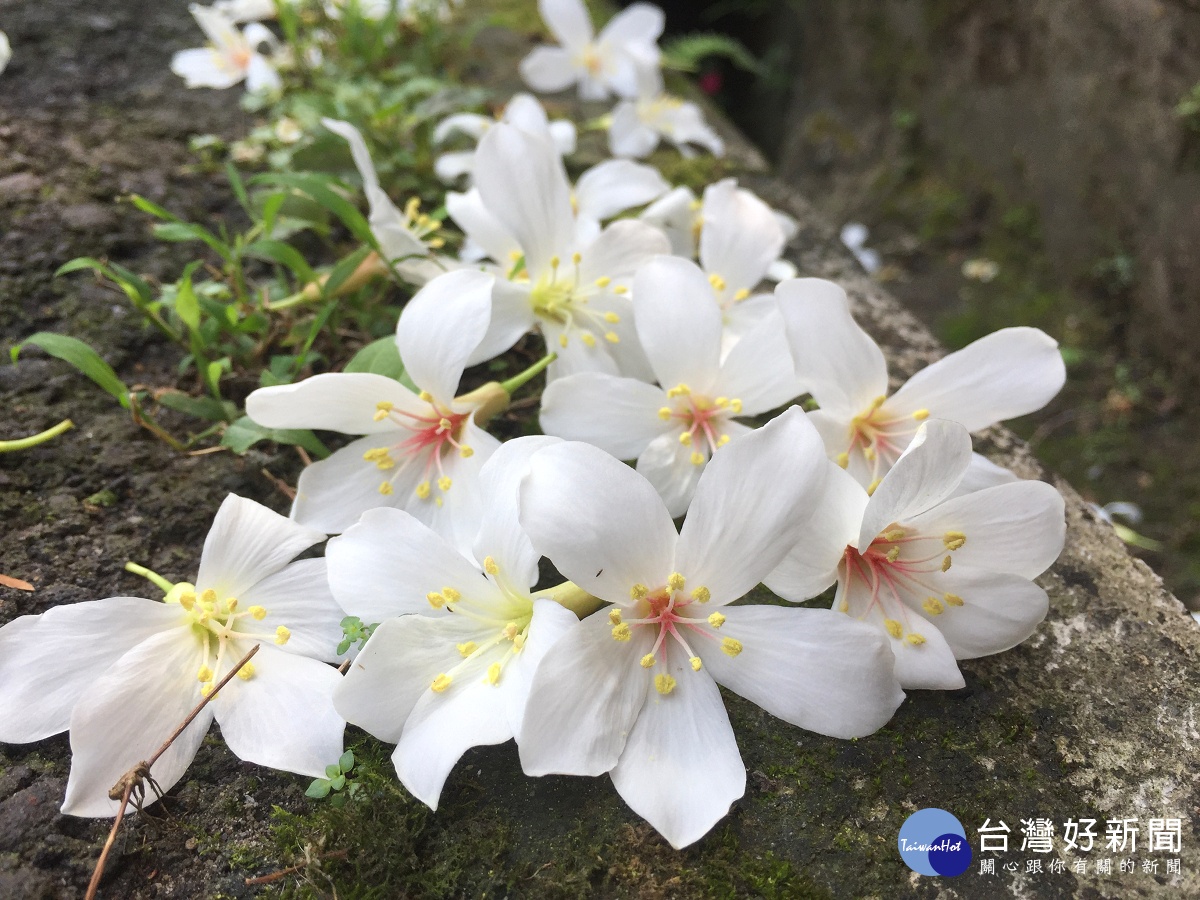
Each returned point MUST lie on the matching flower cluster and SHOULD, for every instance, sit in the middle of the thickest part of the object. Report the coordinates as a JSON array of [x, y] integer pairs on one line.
[[664, 347]]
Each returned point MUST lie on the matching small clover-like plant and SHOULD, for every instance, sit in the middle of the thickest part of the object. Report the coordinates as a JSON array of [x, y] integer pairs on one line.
[[355, 631], [336, 785]]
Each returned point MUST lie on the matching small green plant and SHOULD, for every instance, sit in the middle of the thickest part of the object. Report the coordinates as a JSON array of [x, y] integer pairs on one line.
[[1188, 109], [354, 631], [336, 785]]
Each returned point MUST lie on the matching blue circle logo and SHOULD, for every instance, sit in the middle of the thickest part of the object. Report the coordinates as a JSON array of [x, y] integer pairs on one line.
[[933, 842]]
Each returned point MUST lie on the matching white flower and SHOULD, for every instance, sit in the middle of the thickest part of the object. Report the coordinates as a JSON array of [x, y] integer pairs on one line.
[[123, 673], [674, 429], [423, 451], [238, 11], [601, 65], [449, 666], [522, 111], [943, 575], [738, 240], [407, 238], [552, 274], [632, 690], [638, 125], [1009, 373], [232, 56], [854, 236], [5, 51]]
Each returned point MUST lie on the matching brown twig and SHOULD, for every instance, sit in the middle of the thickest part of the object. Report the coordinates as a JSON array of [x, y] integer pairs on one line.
[[131, 785], [283, 873], [280, 485]]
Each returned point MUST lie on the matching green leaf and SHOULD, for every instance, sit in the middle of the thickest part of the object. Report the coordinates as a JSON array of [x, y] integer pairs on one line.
[[243, 434], [318, 790], [270, 212], [337, 782], [184, 231], [82, 357], [81, 262], [343, 270], [337, 801], [381, 357], [284, 254], [212, 376], [318, 188], [239, 188], [151, 208], [689, 51], [332, 770], [208, 408], [346, 761], [187, 305]]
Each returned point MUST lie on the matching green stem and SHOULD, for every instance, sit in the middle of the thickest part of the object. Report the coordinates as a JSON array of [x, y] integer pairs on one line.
[[157, 579], [571, 596], [514, 384], [34, 439]]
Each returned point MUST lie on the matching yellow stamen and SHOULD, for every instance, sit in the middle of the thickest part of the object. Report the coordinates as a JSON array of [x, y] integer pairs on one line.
[[258, 613], [716, 620], [436, 600], [589, 339], [621, 632], [697, 458], [664, 683], [426, 396], [208, 598], [231, 604], [639, 592], [493, 675], [423, 490], [466, 451], [664, 413], [444, 483], [385, 488], [894, 535], [466, 649], [510, 631], [842, 459], [440, 683], [206, 689], [611, 318], [489, 565], [451, 595], [873, 486], [614, 616], [741, 295], [576, 258], [946, 564], [731, 647], [612, 337], [648, 661], [735, 406], [953, 599], [685, 438], [282, 635], [680, 390], [723, 440], [562, 340], [603, 281], [187, 600], [933, 606], [620, 289], [954, 539], [205, 674], [676, 582], [246, 672], [844, 606], [921, 415], [894, 628], [702, 594], [915, 639], [893, 554], [696, 664]]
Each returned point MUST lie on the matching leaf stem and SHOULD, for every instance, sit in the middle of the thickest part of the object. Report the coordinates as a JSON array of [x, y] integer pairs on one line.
[[34, 439], [150, 575], [517, 381]]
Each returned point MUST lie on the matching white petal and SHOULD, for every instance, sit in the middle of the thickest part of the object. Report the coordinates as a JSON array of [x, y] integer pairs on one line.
[[667, 465], [47, 662], [814, 668], [681, 769], [618, 415], [389, 562], [754, 493], [998, 611], [585, 696], [740, 237], [358, 151], [335, 401], [678, 323], [983, 473], [441, 327], [522, 182], [550, 623], [599, 522], [562, 133], [299, 598], [758, 369], [638, 23], [128, 713], [283, 716], [512, 318], [924, 476], [843, 368], [482, 227], [457, 516], [620, 251], [1017, 528], [261, 75], [396, 668], [217, 26], [781, 270], [246, 543], [449, 167], [608, 189], [568, 21], [523, 111], [473, 125], [674, 214], [548, 69], [812, 563], [1009, 373], [203, 68], [627, 135], [500, 535]]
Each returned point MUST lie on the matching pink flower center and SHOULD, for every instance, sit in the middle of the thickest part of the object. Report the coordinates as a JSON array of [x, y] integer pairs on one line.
[[432, 434]]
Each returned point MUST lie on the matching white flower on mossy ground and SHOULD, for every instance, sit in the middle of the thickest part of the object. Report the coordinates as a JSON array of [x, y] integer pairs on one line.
[[231, 57], [735, 236], [638, 125], [601, 65], [573, 289], [673, 429], [5, 51], [522, 111], [943, 575], [408, 239], [239, 11], [123, 673], [449, 666], [423, 449], [1009, 373], [632, 689]]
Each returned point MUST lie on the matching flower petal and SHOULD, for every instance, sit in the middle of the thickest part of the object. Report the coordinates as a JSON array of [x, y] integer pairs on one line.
[[389, 562], [637, 23], [599, 522], [753, 495], [500, 535], [814, 668], [608, 189], [522, 182], [126, 715], [568, 21], [246, 543], [681, 769], [667, 465], [482, 227], [473, 125], [202, 68], [620, 251], [758, 369], [618, 415], [47, 662], [512, 318], [396, 668], [677, 323], [998, 611], [585, 696], [441, 327], [283, 716], [983, 473], [740, 238], [923, 477], [1017, 528], [548, 70], [674, 214], [839, 363], [550, 623], [335, 401], [456, 517], [1009, 373], [628, 135], [298, 597]]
